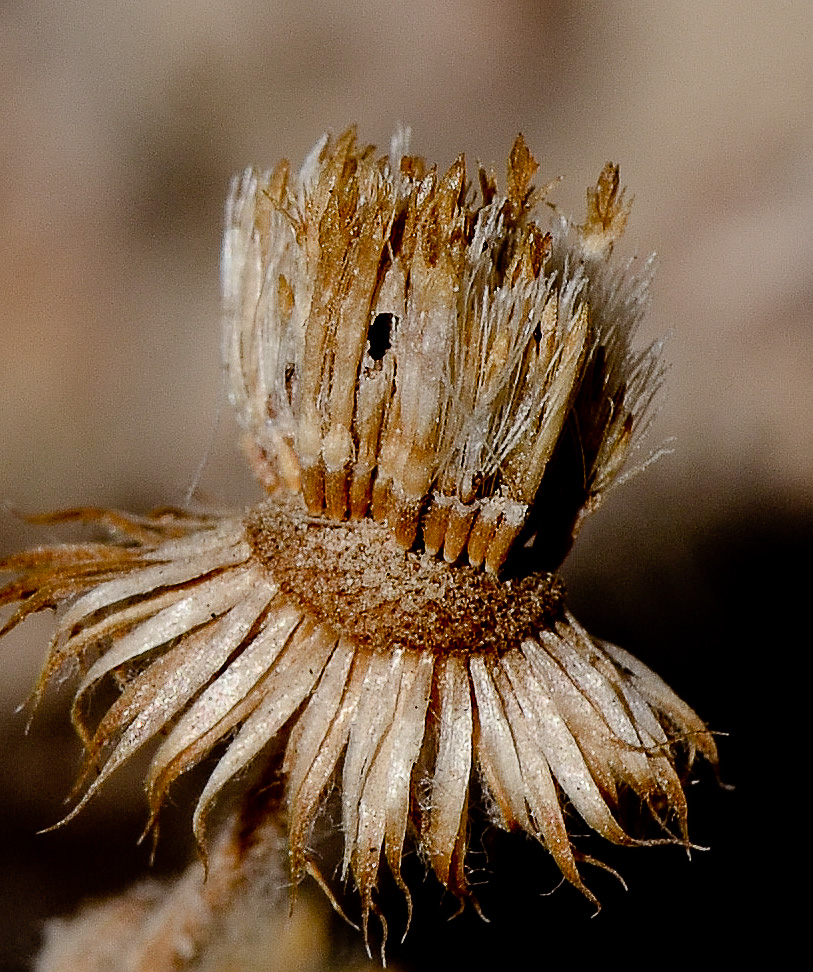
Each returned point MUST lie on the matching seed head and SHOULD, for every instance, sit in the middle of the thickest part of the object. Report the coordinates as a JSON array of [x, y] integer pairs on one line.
[[436, 384], [401, 347]]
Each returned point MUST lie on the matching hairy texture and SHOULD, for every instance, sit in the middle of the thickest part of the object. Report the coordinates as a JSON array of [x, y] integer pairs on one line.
[[397, 347], [236, 919], [391, 673], [435, 391]]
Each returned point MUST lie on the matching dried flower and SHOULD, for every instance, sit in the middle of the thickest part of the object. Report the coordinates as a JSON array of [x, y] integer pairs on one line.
[[435, 388]]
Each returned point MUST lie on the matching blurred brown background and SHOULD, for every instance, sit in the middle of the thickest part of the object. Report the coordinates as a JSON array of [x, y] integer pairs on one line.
[[120, 126]]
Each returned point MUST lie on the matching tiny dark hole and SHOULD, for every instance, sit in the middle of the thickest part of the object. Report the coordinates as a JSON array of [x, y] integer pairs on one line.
[[379, 335], [290, 372]]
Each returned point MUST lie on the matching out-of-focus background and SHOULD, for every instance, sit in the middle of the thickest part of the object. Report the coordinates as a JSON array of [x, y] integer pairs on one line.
[[120, 126]]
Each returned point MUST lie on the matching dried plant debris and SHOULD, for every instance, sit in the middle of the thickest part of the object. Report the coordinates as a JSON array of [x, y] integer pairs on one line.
[[435, 385]]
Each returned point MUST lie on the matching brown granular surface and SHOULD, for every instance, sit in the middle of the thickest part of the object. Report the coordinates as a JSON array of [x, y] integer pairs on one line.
[[355, 577]]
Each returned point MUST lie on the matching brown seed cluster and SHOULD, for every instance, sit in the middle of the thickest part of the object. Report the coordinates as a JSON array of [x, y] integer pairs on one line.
[[358, 578]]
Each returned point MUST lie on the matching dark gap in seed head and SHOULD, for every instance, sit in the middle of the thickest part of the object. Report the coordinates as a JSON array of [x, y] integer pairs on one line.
[[290, 374], [379, 335], [537, 334], [396, 236]]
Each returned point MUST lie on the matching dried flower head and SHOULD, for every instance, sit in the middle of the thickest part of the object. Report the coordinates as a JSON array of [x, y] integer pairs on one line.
[[436, 385]]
